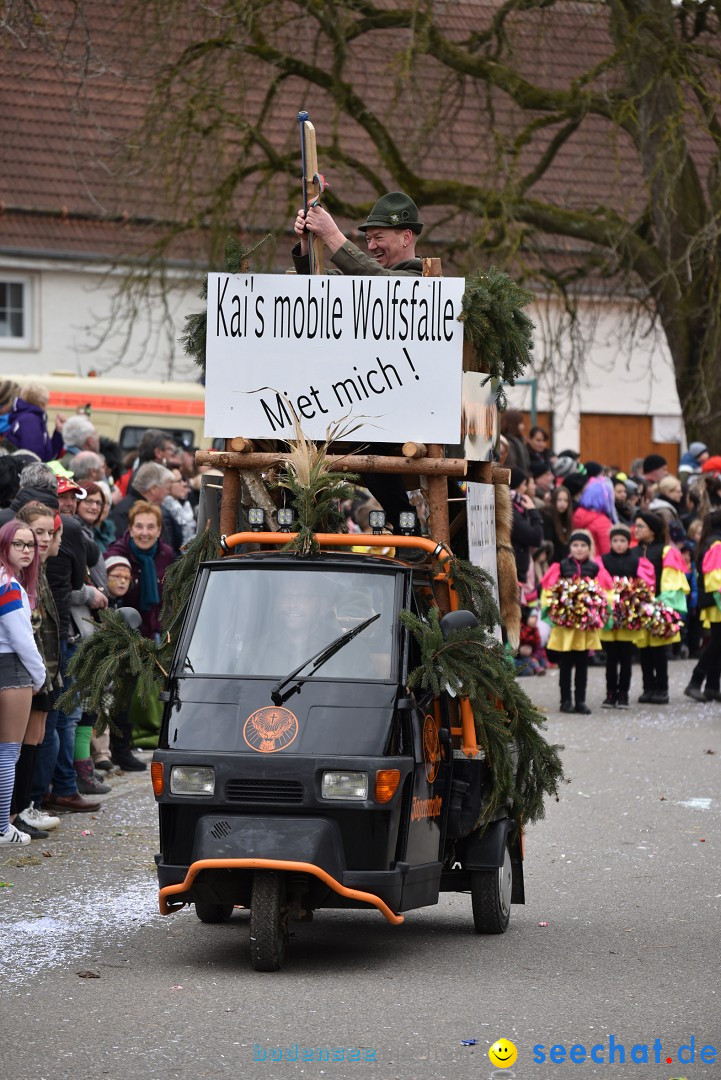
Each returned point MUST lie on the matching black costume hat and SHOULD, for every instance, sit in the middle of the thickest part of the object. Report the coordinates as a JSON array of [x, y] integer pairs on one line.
[[620, 530], [654, 522], [396, 210], [652, 462]]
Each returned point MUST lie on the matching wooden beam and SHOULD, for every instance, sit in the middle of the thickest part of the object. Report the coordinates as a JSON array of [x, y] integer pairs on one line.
[[431, 466], [414, 450], [229, 500]]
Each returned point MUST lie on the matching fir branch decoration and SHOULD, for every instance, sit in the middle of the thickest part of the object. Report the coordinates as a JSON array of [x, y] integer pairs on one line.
[[109, 665], [509, 728], [115, 662], [499, 331], [315, 489], [193, 337], [473, 586]]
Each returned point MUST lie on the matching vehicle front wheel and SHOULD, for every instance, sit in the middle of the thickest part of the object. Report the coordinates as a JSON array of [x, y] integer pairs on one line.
[[491, 897], [213, 913], [268, 921]]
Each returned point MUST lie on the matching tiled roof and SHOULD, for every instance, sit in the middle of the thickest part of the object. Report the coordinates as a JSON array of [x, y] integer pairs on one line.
[[63, 130]]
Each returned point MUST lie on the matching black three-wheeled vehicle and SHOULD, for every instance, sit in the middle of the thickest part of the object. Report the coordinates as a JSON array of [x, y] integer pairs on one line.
[[295, 771]]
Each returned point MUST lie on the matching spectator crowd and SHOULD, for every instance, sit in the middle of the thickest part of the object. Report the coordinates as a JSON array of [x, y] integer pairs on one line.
[[81, 530], [578, 521]]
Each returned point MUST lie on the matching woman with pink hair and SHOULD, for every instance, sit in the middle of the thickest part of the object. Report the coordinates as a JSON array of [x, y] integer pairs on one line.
[[596, 512], [22, 670]]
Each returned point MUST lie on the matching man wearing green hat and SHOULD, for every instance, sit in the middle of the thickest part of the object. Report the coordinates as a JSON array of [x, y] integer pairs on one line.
[[390, 232]]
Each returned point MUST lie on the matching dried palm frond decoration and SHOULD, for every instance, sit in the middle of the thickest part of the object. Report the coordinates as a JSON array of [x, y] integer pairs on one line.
[[315, 488]]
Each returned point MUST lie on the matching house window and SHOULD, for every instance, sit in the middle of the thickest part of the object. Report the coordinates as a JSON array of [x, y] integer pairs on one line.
[[15, 313]]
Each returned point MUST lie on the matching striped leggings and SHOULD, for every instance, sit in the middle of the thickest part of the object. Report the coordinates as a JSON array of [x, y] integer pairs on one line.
[[9, 754]]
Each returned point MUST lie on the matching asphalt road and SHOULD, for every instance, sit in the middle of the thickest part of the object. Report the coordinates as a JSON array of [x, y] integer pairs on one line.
[[619, 938]]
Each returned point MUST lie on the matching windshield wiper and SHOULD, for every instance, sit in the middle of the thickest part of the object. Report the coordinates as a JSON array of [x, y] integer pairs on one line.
[[318, 659]]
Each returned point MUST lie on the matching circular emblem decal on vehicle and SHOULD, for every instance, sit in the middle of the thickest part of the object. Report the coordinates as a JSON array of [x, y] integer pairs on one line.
[[271, 729], [431, 748]]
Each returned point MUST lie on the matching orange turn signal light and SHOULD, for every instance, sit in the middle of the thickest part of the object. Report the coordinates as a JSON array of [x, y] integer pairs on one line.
[[156, 776], [387, 781]]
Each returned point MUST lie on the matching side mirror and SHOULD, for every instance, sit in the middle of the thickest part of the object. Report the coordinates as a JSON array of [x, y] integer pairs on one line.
[[457, 620], [132, 618]]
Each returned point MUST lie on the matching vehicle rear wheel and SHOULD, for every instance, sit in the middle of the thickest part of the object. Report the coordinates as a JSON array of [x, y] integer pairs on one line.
[[213, 913], [268, 921], [491, 897]]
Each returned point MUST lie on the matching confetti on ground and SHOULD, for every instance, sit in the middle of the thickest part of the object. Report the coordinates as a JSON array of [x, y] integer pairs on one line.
[[87, 974], [6, 885], [468, 1042], [543, 924]]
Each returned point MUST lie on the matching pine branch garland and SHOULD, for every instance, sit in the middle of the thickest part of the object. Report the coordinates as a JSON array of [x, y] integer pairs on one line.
[[499, 331], [194, 335], [473, 586], [115, 662], [470, 663], [111, 665]]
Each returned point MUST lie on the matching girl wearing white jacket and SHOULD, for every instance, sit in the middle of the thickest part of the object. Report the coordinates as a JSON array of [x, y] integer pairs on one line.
[[22, 671]]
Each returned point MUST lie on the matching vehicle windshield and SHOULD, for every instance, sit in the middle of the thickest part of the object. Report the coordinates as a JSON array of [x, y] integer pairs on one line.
[[265, 622]]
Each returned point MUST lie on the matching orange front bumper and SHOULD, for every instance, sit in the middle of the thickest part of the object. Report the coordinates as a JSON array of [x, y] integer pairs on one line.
[[168, 906]]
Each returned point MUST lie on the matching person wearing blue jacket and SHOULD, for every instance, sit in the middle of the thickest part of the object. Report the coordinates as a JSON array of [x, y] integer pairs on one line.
[[28, 424]]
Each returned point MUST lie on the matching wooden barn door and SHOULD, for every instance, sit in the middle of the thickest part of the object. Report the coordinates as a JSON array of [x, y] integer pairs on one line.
[[618, 440]]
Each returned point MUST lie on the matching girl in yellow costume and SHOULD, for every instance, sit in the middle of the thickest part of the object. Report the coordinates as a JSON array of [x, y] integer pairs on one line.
[[625, 564], [671, 588], [572, 643], [708, 669]]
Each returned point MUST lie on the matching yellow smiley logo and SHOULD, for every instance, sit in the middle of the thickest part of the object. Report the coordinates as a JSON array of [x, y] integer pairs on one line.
[[503, 1053]]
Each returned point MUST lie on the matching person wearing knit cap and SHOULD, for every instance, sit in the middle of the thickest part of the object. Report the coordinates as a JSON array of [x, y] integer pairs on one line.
[[519, 478], [694, 458], [543, 476], [572, 642], [655, 467], [652, 536], [593, 468], [711, 466], [622, 562], [564, 466], [575, 483]]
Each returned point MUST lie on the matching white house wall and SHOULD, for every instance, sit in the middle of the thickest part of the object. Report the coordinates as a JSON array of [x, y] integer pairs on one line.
[[72, 309], [624, 372]]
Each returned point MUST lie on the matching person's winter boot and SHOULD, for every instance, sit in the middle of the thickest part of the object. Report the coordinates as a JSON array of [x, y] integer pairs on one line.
[[88, 783], [582, 708], [609, 703], [567, 706], [695, 692], [125, 759], [622, 702]]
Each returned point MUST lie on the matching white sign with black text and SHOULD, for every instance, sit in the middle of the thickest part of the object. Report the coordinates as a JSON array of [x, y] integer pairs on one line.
[[384, 351], [481, 513]]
